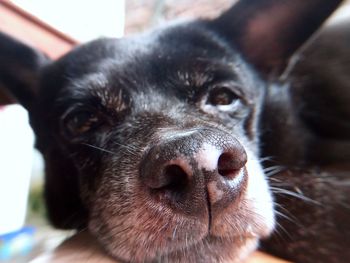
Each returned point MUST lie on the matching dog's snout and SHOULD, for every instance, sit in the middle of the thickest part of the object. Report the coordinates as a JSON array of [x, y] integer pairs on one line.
[[195, 172]]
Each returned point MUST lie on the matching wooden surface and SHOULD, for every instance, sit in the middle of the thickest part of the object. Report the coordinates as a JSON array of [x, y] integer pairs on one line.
[[28, 29], [83, 248]]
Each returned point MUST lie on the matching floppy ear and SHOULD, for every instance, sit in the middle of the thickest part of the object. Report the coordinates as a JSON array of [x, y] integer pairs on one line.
[[268, 32], [19, 69]]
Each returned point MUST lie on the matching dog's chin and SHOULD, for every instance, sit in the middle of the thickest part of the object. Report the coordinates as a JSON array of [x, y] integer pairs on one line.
[[213, 249], [208, 249]]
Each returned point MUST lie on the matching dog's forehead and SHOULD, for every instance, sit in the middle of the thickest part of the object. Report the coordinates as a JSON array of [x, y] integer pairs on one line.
[[177, 45], [182, 55]]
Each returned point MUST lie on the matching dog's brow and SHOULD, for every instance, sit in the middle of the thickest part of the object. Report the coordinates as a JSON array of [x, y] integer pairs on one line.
[[97, 89], [208, 74], [196, 79], [114, 100]]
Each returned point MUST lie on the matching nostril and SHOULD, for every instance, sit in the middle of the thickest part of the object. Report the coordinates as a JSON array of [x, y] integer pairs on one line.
[[229, 165], [175, 178]]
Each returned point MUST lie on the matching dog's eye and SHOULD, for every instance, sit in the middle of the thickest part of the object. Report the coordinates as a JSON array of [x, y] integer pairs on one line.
[[79, 123], [222, 96]]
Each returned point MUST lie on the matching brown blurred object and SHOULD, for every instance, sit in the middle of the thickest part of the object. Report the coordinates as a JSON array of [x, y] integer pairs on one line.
[[83, 248], [259, 257], [29, 29]]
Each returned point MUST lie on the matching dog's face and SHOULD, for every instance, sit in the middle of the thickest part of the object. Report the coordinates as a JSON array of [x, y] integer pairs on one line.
[[164, 143], [152, 141]]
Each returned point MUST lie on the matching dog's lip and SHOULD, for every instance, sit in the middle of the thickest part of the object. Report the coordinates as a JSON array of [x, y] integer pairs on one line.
[[244, 235], [242, 238], [235, 236]]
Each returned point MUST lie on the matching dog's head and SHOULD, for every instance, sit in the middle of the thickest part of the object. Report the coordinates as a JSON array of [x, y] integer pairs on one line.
[[152, 141]]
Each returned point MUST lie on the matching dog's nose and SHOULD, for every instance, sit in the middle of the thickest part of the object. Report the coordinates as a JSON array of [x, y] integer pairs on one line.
[[195, 171]]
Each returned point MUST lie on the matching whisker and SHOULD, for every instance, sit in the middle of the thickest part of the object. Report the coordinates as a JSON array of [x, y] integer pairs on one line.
[[98, 148], [275, 181], [278, 190], [267, 158], [174, 231], [285, 211], [132, 150], [280, 214], [129, 147], [279, 234], [272, 170]]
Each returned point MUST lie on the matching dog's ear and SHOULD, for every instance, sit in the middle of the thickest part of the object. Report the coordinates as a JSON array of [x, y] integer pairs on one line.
[[268, 32], [19, 69]]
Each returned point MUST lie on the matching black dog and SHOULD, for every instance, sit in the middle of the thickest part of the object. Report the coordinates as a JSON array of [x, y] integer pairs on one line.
[[152, 142], [313, 134]]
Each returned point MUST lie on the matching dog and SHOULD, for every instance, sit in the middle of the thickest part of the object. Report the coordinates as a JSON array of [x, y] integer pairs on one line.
[[314, 145], [155, 143]]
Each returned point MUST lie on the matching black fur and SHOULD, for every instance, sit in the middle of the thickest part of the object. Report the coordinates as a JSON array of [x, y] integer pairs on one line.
[[108, 111]]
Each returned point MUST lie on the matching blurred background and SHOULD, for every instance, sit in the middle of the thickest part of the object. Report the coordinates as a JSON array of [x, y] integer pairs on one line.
[[55, 27]]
